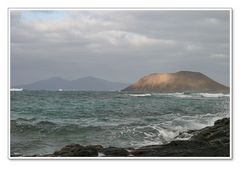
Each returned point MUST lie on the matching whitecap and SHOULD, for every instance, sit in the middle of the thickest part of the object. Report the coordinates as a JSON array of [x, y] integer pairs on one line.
[[140, 95], [177, 94], [213, 95], [16, 89]]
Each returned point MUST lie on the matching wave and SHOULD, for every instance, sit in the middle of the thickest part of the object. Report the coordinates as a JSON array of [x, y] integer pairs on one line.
[[192, 95], [16, 89], [164, 132], [177, 94], [181, 95], [49, 127], [25, 119], [45, 123], [21, 125], [217, 95], [147, 134], [140, 95]]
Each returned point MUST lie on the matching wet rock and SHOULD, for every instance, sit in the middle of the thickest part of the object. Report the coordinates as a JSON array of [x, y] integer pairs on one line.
[[98, 147], [115, 152], [76, 150], [217, 135], [173, 149], [16, 154]]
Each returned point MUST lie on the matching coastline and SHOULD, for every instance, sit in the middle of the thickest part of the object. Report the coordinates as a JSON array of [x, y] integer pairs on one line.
[[211, 141]]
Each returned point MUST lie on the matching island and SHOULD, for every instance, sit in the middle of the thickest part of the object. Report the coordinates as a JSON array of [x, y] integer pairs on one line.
[[182, 81]]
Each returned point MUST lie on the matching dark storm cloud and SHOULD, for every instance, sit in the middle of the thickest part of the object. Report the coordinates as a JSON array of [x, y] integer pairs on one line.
[[118, 45]]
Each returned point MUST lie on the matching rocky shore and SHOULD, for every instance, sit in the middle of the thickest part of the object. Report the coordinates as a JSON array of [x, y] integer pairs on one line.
[[212, 141]]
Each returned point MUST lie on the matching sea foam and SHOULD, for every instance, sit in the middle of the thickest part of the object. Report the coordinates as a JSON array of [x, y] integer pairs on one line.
[[140, 95], [213, 95], [16, 89]]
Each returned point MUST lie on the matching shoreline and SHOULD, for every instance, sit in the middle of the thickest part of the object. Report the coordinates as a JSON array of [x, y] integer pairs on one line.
[[210, 141]]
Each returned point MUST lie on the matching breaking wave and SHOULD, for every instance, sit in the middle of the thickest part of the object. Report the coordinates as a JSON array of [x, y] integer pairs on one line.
[[192, 95], [213, 95], [16, 89], [140, 95]]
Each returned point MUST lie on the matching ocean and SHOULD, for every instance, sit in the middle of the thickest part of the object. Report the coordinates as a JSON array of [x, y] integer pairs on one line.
[[45, 121]]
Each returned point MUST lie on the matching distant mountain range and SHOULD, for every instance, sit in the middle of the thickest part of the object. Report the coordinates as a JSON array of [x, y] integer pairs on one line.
[[182, 81], [81, 84]]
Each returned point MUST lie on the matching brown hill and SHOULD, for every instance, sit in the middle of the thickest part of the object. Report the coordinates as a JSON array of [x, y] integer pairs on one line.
[[182, 81]]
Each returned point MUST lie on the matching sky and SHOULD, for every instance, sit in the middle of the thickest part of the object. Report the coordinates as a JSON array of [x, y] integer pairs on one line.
[[117, 45]]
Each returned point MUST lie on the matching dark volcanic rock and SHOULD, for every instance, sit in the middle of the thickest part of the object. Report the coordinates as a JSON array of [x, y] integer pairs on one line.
[[76, 150], [97, 147], [114, 151], [217, 135], [173, 149], [208, 142], [16, 155]]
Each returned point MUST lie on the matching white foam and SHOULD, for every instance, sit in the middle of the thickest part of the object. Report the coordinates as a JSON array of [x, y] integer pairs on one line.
[[192, 95], [184, 136], [159, 136], [101, 154], [177, 94], [16, 89], [181, 95], [213, 95], [140, 95]]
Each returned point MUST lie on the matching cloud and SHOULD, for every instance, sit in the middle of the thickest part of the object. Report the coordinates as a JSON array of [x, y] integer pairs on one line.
[[192, 47], [118, 45], [219, 56], [212, 21], [124, 38]]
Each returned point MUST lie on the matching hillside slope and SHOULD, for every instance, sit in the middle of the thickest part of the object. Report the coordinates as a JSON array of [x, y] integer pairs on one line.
[[182, 81]]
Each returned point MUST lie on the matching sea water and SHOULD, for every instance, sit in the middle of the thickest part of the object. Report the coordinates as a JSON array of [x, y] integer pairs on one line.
[[45, 121]]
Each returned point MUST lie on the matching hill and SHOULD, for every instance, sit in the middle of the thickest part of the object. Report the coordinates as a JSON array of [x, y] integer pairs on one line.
[[81, 84], [182, 81]]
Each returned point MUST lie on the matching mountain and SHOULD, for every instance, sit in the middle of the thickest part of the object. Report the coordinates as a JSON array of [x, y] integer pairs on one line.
[[81, 84], [182, 81]]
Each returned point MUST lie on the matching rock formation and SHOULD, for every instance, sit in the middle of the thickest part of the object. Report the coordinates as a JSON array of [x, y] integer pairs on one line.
[[182, 81]]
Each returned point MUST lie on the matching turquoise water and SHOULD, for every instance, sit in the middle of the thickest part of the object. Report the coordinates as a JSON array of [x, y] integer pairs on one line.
[[45, 121]]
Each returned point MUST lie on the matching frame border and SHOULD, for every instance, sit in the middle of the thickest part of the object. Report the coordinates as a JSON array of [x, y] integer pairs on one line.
[[229, 9]]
